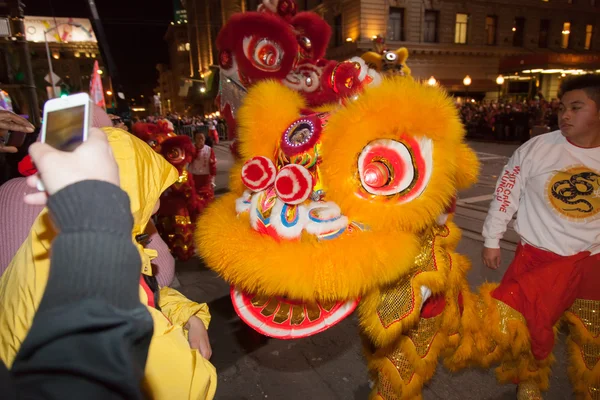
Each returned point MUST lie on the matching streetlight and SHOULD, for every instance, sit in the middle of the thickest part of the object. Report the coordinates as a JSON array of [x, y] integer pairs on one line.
[[467, 82], [432, 81], [109, 93], [499, 82], [48, 52]]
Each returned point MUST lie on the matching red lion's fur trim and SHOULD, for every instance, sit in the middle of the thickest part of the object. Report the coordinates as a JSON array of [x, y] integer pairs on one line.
[[314, 28], [144, 131], [261, 25]]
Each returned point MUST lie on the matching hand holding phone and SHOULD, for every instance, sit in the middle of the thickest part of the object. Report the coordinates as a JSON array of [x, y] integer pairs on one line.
[[92, 160]]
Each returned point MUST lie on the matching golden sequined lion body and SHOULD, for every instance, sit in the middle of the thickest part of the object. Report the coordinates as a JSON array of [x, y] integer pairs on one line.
[[351, 208]]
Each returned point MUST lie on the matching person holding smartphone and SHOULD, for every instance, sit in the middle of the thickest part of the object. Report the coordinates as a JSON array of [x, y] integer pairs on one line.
[[90, 300], [177, 365]]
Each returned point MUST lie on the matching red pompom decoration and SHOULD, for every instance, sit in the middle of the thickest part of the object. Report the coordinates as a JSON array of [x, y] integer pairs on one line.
[[258, 173], [26, 167], [293, 184]]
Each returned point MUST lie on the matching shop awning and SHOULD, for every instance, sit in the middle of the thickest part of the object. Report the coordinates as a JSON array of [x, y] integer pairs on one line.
[[549, 62]]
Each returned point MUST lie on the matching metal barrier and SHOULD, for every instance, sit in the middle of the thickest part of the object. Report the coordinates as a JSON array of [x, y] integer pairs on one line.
[[190, 130]]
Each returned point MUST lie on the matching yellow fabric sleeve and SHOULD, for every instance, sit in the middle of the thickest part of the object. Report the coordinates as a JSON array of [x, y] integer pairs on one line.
[[179, 308]]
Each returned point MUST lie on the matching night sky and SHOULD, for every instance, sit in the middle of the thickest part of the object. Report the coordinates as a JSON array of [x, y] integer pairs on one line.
[[134, 29]]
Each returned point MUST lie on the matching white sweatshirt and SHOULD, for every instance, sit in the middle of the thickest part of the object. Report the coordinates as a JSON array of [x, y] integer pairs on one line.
[[555, 186]]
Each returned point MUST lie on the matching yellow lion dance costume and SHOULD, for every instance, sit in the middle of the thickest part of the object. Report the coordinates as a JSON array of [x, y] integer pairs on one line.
[[330, 211]]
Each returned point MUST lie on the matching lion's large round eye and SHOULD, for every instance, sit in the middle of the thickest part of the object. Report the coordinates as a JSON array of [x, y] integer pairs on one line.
[[402, 168], [176, 154], [263, 53], [391, 57]]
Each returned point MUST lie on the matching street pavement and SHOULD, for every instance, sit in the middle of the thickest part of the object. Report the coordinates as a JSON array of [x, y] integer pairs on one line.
[[330, 365]]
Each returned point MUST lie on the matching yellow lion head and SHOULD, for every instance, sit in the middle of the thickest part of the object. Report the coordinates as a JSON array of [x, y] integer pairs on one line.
[[391, 62], [327, 206]]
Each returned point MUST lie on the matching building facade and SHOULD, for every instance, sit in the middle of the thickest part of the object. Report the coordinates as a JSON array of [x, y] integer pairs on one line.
[[73, 50], [205, 20], [173, 79], [531, 43]]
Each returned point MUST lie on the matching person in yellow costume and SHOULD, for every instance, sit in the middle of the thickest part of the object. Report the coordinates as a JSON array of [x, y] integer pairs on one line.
[[174, 369]]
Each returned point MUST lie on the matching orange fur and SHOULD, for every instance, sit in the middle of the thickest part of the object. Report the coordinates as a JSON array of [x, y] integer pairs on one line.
[[306, 269], [360, 123]]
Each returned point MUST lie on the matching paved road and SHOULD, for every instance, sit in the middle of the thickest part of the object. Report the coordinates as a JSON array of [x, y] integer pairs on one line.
[[330, 365]]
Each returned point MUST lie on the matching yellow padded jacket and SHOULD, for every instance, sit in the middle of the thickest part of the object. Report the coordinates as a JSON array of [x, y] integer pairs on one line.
[[173, 370]]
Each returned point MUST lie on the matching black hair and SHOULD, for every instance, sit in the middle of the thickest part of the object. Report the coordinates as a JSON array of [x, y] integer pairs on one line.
[[589, 83]]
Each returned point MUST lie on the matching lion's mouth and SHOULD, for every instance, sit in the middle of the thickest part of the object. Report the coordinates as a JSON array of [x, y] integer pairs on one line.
[[282, 318]]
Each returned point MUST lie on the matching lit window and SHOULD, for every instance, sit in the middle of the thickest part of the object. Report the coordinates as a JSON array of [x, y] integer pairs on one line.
[[462, 24], [181, 47], [187, 47], [589, 34], [566, 34]]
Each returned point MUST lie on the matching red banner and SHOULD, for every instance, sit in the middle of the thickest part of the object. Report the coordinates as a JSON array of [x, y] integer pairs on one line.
[[96, 90]]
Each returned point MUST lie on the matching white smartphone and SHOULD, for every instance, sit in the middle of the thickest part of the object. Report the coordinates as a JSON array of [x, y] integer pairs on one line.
[[67, 121]]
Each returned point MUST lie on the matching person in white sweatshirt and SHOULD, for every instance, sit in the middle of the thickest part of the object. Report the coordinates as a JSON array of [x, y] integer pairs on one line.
[[552, 183]]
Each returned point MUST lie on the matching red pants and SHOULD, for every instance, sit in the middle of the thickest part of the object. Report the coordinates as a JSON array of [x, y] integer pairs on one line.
[[542, 285], [204, 188]]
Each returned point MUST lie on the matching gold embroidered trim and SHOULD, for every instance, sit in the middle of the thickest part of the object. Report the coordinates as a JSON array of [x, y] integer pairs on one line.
[[507, 314], [385, 388], [588, 311], [403, 366], [528, 391], [590, 354], [398, 300], [422, 336], [595, 392]]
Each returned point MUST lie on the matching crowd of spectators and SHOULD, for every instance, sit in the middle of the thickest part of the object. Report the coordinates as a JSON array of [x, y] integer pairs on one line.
[[509, 121]]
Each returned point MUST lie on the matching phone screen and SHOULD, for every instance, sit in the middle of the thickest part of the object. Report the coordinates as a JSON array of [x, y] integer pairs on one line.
[[65, 128]]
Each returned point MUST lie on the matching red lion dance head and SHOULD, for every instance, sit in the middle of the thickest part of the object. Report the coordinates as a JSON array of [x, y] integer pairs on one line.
[[153, 134], [278, 43]]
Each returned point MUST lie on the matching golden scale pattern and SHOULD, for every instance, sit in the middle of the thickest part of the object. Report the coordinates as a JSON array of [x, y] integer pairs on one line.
[[589, 313], [385, 388], [595, 392], [590, 354], [528, 391], [402, 364], [422, 336], [507, 314], [397, 301]]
